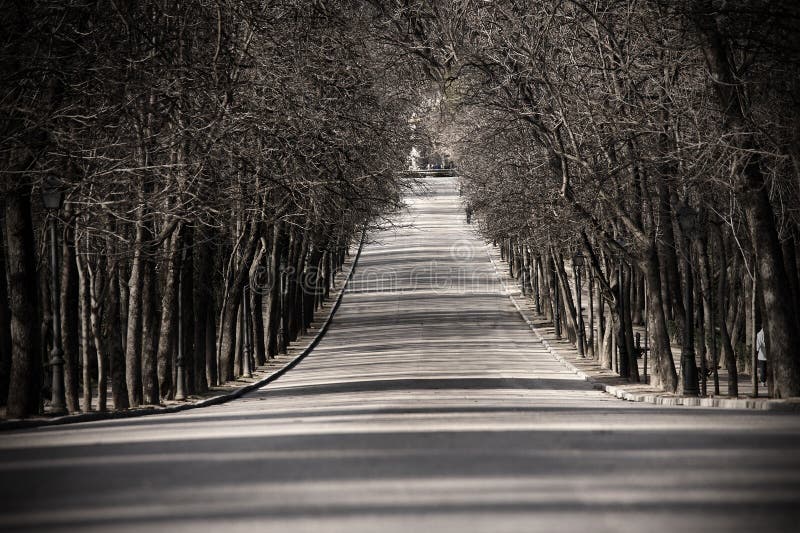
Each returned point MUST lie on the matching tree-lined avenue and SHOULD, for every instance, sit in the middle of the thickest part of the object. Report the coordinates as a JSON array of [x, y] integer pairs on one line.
[[428, 405]]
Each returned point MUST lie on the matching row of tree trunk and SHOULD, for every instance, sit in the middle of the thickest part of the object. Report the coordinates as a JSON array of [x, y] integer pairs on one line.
[[726, 313], [185, 309]]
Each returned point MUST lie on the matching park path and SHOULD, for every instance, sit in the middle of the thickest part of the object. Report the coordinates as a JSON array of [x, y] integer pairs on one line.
[[428, 405]]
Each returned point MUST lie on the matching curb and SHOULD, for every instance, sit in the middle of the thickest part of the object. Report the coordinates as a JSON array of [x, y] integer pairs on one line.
[[653, 398], [215, 400]]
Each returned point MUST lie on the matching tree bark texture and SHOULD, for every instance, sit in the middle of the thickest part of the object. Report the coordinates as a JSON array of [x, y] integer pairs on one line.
[[70, 318], [5, 324], [203, 305], [151, 393], [724, 337], [166, 337], [229, 316], [663, 374], [86, 337], [112, 329], [133, 345], [26, 371]]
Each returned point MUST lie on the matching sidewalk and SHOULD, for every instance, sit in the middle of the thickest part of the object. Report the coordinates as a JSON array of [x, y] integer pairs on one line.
[[262, 374], [608, 380]]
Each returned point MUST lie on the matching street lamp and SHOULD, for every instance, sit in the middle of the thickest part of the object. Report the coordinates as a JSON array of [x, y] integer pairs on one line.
[[51, 198], [577, 265], [282, 305], [180, 371], [246, 370], [687, 219]]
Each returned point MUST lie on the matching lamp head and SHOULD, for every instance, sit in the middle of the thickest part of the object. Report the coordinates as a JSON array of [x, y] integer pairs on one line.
[[51, 193]]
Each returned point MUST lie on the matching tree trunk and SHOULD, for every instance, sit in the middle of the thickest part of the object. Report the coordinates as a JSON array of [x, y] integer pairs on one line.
[[725, 340], [149, 336], [790, 264], [86, 336], [701, 344], [606, 358], [545, 271], [45, 333], [637, 297], [255, 304], [97, 286], [112, 339], [259, 343], [124, 292], [327, 280], [623, 358], [166, 337], [186, 287], [199, 342], [273, 317], [212, 369], [310, 287], [133, 345], [755, 312], [591, 340], [537, 290], [26, 372], [203, 305], [627, 321], [663, 374], [5, 325], [668, 253], [294, 310], [733, 288], [706, 291], [737, 333], [566, 297], [70, 319], [239, 345], [228, 337]]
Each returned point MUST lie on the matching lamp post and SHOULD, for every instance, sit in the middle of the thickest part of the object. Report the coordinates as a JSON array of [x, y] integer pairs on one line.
[[180, 371], [556, 304], [687, 218], [246, 370], [577, 265], [282, 306], [51, 198]]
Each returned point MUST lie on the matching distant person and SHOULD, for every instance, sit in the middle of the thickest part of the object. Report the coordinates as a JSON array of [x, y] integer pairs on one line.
[[468, 210], [761, 346]]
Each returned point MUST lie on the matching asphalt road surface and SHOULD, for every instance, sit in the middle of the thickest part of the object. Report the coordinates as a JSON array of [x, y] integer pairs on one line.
[[428, 406]]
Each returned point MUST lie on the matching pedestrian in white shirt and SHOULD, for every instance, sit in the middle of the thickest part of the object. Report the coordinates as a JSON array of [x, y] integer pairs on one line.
[[761, 346]]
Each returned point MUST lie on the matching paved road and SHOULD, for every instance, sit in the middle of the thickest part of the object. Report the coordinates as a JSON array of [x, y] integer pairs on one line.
[[427, 407]]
